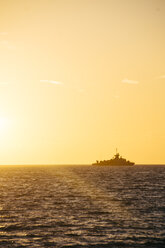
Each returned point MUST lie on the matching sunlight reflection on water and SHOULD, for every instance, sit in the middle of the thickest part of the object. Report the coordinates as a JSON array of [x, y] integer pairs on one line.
[[78, 206]]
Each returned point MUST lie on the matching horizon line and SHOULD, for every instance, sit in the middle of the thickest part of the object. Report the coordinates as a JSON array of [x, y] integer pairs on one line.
[[140, 164]]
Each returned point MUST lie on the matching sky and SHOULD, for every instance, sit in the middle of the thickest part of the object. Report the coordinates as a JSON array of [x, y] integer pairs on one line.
[[80, 78]]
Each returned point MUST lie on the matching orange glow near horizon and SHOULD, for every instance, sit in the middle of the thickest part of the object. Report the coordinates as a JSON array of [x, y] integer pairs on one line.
[[80, 78]]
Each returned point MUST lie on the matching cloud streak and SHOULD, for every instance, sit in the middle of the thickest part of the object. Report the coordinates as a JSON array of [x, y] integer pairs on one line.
[[3, 83], [58, 83], [128, 81], [116, 96], [51, 82], [3, 33], [7, 44], [161, 77]]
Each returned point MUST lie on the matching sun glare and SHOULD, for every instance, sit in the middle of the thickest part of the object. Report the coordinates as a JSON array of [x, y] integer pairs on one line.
[[3, 123]]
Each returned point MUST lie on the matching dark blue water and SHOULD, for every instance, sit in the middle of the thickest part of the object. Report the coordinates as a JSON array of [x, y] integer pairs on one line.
[[82, 206]]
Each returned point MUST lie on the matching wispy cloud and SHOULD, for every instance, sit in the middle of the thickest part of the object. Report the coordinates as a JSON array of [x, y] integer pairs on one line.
[[3, 33], [82, 91], [162, 76], [128, 81], [66, 86], [3, 83], [7, 44], [51, 82], [116, 96]]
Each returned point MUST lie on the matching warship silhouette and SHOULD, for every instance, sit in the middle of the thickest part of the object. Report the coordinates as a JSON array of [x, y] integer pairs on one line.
[[117, 160]]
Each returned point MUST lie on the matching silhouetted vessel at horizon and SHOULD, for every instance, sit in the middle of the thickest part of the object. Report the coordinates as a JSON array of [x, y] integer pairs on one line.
[[117, 160]]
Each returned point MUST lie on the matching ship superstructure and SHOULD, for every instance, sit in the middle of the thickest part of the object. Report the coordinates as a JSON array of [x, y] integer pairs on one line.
[[116, 160]]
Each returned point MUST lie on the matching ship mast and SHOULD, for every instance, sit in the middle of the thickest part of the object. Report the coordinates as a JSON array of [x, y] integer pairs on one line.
[[117, 155]]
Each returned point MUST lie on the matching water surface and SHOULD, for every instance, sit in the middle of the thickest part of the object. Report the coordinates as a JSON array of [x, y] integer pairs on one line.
[[82, 206]]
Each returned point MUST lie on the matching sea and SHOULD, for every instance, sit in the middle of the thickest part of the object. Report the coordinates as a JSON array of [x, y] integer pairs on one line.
[[82, 206]]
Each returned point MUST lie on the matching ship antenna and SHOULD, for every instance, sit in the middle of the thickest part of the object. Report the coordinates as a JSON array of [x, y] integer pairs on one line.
[[116, 150]]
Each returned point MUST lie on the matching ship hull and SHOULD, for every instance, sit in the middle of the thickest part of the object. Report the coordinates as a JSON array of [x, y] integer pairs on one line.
[[113, 164]]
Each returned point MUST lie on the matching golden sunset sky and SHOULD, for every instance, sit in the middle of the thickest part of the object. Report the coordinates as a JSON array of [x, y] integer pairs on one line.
[[79, 78]]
